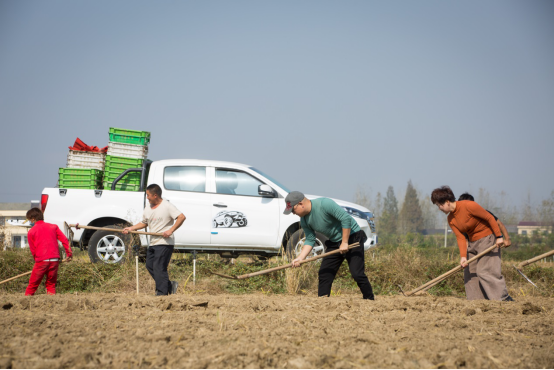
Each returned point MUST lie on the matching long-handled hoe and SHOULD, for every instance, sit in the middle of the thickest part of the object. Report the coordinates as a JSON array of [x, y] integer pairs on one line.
[[21, 275], [263, 272], [135, 248], [530, 261], [438, 279]]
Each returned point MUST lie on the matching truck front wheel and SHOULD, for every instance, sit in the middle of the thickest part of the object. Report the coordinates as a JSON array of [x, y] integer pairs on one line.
[[296, 242], [108, 246]]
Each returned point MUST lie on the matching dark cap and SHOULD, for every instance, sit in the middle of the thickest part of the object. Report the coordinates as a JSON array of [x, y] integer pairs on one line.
[[291, 200]]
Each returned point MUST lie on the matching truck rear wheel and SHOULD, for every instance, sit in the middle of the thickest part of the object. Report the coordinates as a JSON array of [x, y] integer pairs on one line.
[[108, 246], [296, 242]]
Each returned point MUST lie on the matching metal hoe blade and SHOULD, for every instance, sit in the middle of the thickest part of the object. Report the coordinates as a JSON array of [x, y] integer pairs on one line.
[[526, 278]]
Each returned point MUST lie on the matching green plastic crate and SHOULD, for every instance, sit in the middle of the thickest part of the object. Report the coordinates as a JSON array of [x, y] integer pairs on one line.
[[79, 171], [67, 184], [123, 161], [80, 174], [127, 179], [124, 131], [121, 187], [121, 135]]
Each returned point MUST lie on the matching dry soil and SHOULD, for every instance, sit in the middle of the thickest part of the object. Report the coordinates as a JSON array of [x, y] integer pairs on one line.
[[273, 331]]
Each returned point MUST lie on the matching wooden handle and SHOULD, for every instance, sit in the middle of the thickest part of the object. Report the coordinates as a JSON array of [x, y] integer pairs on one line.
[[451, 272], [263, 272], [114, 230], [535, 259], [23, 274], [15, 277]]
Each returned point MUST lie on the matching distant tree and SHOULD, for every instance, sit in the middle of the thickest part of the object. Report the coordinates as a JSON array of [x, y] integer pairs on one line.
[[430, 213], [378, 205], [546, 210], [363, 197], [411, 217], [388, 222], [528, 212], [485, 200], [503, 210]]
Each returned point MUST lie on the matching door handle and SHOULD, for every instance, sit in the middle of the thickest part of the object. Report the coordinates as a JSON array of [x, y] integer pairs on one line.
[[220, 205]]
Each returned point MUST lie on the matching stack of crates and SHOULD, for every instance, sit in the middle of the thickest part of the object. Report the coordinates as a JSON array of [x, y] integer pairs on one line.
[[88, 160], [80, 178], [84, 170], [126, 149]]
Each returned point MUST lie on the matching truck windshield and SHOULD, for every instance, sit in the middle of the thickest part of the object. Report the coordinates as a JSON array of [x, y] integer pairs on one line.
[[271, 179]]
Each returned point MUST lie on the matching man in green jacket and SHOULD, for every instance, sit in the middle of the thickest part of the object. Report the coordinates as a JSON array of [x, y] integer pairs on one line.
[[325, 216]]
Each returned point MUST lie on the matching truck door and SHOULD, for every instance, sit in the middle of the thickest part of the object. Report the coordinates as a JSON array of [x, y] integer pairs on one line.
[[185, 188], [240, 216]]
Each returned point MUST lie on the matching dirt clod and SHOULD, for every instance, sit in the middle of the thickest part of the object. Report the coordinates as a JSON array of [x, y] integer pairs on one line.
[[6, 363], [530, 309]]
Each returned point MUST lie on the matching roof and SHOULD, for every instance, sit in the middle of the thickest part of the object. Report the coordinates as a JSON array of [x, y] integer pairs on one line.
[[13, 213], [201, 162], [534, 223], [15, 206]]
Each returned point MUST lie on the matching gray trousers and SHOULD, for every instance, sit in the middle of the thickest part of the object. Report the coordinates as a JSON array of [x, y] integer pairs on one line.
[[483, 278]]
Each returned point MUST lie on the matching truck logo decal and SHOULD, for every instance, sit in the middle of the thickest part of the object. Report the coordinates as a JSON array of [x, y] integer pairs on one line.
[[229, 219]]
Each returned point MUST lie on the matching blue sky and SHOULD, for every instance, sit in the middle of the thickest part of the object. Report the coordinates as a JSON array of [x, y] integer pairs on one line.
[[326, 96]]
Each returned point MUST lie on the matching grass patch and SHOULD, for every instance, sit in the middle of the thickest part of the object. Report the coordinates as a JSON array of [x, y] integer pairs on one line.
[[387, 267]]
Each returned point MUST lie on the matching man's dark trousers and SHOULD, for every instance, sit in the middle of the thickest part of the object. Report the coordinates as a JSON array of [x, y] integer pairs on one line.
[[355, 258], [157, 260]]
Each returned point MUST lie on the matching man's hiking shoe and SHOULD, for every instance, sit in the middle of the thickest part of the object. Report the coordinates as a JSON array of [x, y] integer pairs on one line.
[[508, 299], [174, 286]]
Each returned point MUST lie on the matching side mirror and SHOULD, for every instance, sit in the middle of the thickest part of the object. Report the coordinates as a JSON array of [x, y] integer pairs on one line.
[[266, 191]]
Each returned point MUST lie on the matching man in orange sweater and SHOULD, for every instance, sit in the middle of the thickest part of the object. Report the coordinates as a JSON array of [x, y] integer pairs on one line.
[[483, 279], [43, 243]]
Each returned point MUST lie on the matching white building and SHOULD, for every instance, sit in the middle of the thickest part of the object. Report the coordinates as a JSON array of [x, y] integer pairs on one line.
[[10, 235]]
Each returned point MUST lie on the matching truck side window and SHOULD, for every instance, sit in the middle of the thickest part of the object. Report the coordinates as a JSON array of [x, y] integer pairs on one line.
[[185, 178], [236, 183]]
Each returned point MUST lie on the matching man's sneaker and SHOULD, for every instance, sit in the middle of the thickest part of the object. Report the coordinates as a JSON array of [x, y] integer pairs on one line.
[[508, 299], [174, 286]]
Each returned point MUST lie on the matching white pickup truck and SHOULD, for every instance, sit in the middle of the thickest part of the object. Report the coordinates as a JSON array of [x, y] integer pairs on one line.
[[230, 208]]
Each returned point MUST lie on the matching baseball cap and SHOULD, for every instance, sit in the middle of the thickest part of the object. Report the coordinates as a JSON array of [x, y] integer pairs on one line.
[[292, 199]]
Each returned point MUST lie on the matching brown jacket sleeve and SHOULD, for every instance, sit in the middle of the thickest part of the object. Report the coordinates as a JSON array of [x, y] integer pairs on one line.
[[462, 242], [477, 211]]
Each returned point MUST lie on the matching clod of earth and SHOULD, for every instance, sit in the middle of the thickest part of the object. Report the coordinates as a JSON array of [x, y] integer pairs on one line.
[[529, 309]]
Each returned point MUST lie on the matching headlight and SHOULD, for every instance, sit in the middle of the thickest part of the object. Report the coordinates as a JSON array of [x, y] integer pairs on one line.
[[357, 213]]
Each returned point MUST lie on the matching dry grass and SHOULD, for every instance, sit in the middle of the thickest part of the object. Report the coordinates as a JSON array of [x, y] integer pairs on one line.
[[386, 268]]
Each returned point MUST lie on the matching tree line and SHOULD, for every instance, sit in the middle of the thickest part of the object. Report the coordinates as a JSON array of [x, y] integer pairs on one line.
[[416, 212]]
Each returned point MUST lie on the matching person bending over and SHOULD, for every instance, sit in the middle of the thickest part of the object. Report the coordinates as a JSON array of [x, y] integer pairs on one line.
[[325, 216], [483, 279], [505, 235]]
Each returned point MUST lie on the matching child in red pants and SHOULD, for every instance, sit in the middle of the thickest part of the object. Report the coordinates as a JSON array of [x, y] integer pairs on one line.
[[43, 243]]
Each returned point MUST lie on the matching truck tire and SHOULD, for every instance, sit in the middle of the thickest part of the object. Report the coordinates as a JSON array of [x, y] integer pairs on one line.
[[296, 241], [108, 246]]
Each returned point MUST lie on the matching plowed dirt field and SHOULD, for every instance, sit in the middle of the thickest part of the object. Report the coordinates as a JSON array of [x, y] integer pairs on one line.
[[273, 331]]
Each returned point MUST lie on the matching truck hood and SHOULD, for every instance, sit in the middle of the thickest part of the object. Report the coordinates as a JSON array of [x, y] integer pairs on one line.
[[340, 202]]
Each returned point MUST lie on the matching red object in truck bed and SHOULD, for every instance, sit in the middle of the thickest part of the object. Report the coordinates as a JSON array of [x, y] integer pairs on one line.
[[80, 145]]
